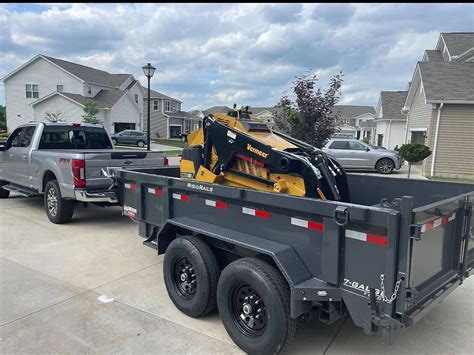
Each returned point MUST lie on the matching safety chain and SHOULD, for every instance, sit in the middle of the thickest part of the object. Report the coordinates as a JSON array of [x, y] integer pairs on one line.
[[382, 290]]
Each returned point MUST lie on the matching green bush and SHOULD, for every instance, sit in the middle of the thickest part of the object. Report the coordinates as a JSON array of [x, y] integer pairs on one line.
[[414, 153]]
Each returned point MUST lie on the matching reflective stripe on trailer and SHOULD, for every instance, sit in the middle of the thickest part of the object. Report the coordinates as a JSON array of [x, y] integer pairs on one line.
[[129, 211], [318, 226], [216, 204], [256, 213], [130, 186], [437, 222], [367, 237], [157, 191], [181, 197]]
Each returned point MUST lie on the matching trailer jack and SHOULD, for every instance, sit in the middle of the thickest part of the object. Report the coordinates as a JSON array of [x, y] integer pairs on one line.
[[387, 325]]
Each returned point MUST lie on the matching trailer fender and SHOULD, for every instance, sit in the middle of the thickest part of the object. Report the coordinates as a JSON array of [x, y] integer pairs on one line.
[[284, 256]]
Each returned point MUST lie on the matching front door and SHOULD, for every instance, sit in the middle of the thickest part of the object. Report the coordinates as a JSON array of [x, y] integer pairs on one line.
[[18, 156], [379, 140]]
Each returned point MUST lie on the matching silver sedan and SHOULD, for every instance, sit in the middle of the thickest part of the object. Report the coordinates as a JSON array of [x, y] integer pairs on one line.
[[357, 155]]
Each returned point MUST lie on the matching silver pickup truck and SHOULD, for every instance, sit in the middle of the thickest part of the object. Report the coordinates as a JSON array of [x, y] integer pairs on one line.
[[68, 162]]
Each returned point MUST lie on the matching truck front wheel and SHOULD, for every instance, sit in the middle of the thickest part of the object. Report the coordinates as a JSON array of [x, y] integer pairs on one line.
[[191, 272], [254, 304], [58, 209]]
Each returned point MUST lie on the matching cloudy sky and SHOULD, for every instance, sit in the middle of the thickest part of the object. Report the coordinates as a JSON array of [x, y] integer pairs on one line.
[[218, 54]]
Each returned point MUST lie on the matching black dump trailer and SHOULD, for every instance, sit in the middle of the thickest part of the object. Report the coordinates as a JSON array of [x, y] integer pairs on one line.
[[266, 259]]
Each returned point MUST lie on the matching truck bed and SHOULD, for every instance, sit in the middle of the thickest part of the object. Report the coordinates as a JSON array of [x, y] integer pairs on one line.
[[386, 258]]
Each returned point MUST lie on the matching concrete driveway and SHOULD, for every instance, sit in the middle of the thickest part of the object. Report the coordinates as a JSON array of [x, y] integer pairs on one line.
[[92, 287]]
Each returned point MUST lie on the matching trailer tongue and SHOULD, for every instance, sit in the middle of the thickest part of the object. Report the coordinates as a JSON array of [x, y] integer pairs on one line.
[[264, 259]]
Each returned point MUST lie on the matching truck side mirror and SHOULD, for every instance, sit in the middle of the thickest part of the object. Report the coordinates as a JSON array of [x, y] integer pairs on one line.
[[367, 149]]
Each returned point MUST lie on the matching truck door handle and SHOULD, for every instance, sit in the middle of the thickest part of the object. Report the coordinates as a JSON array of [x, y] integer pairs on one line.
[[12, 156], [25, 157]]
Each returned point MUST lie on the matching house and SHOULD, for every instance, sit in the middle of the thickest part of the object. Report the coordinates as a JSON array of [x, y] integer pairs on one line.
[[389, 120], [354, 121], [49, 85], [263, 114], [166, 118], [440, 106]]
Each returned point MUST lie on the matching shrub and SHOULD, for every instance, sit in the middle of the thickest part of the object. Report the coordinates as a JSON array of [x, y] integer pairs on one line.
[[414, 153]]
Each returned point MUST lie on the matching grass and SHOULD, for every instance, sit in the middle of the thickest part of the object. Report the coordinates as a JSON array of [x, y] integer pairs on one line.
[[171, 142], [450, 179], [172, 152]]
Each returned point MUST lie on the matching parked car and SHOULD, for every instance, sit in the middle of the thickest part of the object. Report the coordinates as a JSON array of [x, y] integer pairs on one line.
[[66, 162], [130, 137], [356, 155]]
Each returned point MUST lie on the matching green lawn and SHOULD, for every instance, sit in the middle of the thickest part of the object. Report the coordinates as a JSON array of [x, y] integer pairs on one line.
[[462, 180], [172, 152], [171, 142]]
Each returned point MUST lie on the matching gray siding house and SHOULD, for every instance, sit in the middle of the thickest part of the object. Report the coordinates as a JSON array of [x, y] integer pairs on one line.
[[354, 121], [440, 106], [166, 118]]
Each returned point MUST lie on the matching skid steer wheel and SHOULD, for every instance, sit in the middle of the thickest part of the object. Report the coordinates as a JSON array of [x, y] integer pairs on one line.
[[58, 209], [191, 272], [385, 166], [4, 193], [254, 304]]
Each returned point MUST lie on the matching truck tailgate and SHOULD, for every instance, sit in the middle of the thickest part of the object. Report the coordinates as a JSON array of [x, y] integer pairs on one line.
[[98, 162]]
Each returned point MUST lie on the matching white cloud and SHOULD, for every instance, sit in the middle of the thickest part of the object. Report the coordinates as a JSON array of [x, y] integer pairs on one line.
[[209, 54]]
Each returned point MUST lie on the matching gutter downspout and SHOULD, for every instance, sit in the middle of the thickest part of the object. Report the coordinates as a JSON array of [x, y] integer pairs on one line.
[[389, 133], [435, 145]]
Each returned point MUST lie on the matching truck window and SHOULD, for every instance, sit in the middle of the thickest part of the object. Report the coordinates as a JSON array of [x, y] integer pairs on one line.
[[339, 145], [15, 137], [27, 136], [66, 137]]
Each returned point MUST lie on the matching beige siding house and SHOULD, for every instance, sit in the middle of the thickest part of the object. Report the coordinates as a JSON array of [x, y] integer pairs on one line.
[[440, 106]]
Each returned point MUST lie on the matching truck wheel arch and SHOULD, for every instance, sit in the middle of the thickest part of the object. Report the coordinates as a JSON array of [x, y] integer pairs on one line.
[[47, 176]]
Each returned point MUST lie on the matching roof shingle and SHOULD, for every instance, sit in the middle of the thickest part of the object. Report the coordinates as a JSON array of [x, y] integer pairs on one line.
[[90, 75], [458, 42], [392, 104]]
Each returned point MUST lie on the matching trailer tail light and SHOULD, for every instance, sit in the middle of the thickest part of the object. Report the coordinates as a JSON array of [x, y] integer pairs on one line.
[[166, 162], [79, 172]]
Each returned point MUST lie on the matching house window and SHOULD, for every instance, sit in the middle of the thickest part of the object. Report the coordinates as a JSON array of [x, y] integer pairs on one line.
[[179, 107], [59, 88], [155, 105], [89, 90], [168, 106], [32, 91], [136, 98]]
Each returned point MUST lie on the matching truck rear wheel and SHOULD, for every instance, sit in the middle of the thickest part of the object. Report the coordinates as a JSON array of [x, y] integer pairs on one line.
[[191, 272], [254, 304], [4, 193], [58, 209]]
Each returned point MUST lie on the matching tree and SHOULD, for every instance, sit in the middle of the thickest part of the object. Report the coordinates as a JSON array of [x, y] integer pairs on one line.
[[309, 117], [414, 153], [90, 112], [57, 116]]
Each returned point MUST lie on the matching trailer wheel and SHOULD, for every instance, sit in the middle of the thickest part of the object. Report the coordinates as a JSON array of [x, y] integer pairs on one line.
[[254, 304], [4, 193], [58, 209], [191, 272]]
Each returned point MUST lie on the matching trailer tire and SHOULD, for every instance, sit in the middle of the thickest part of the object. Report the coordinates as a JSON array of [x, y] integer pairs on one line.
[[58, 209], [254, 303], [4, 193], [191, 273]]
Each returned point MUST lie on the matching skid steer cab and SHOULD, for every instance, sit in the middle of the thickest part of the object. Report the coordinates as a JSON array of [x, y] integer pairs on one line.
[[234, 150]]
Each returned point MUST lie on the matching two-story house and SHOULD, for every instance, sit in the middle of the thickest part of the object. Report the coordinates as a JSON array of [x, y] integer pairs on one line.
[[389, 120], [440, 106], [166, 118], [354, 121], [49, 85]]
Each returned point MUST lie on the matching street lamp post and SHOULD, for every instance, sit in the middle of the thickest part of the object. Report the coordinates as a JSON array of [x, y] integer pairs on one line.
[[148, 70]]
